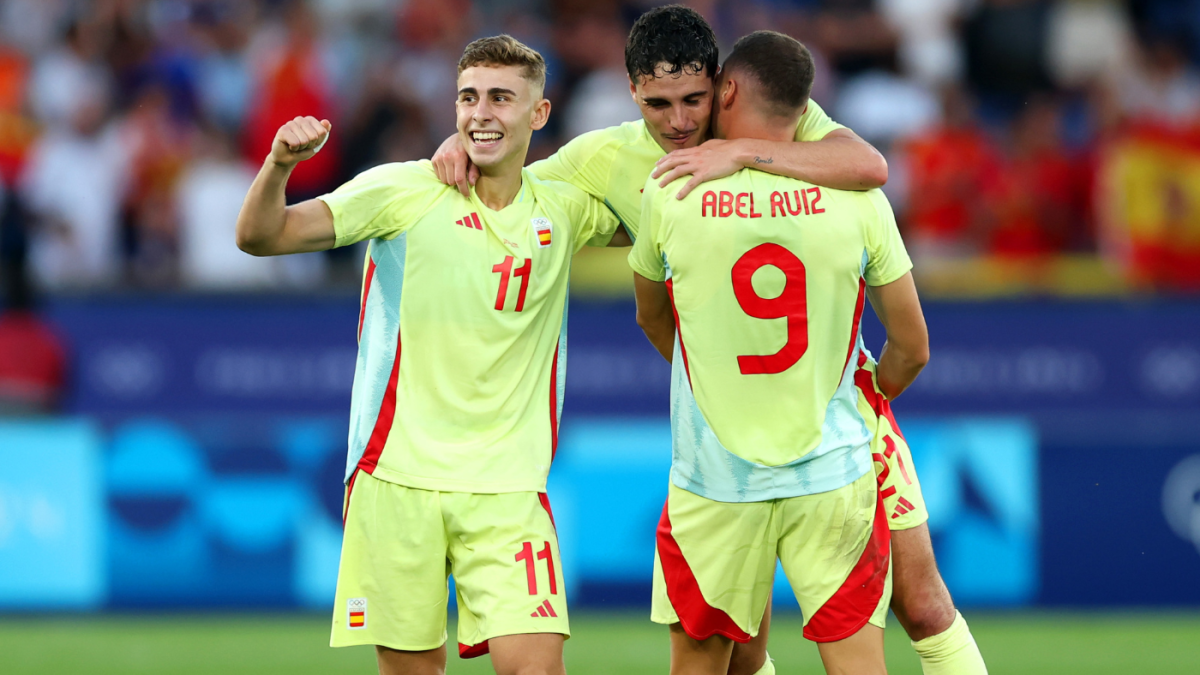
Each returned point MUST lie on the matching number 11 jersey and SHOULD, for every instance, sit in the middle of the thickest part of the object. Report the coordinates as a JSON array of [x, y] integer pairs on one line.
[[767, 277], [462, 330]]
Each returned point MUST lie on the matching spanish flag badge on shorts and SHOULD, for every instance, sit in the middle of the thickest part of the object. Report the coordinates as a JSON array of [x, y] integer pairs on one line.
[[356, 613], [541, 226]]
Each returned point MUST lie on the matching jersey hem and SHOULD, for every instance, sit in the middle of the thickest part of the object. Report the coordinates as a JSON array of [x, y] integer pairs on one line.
[[682, 482], [452, 485], [659, 276]]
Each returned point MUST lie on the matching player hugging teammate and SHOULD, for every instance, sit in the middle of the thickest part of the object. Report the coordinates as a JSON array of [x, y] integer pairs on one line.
[[462, 355]]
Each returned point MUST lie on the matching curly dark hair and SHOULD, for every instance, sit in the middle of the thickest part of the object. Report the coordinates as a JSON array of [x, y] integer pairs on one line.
[[673, 36]]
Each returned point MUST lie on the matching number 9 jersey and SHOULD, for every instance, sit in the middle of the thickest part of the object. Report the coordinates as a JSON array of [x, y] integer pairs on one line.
[[767, 277]]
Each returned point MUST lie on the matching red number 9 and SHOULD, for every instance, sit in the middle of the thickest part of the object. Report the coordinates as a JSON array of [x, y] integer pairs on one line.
[[791, 304]]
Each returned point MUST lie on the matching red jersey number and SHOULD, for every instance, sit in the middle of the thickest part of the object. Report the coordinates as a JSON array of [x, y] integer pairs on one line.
[[791, 304]]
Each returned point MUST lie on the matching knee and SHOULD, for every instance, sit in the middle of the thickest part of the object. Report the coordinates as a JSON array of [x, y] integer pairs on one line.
[[534, 669], [926, 619], [746, 661]]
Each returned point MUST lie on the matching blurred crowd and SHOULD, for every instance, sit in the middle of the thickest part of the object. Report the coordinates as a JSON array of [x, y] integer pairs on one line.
[[131, 129]]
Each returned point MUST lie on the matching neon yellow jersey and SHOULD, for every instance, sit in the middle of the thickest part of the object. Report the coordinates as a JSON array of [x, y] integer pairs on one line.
[[612, 164], [462, 335], [767, 276]]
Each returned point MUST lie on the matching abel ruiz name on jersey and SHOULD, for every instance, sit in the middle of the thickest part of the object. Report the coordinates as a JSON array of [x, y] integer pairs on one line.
[[725, 204]]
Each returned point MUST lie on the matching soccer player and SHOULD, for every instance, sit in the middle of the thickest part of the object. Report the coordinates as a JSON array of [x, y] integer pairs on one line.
[[753, 288], [671, 58], [459, 382]]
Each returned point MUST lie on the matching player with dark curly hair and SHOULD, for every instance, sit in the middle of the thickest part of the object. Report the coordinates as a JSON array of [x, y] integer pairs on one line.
[[672, 57]]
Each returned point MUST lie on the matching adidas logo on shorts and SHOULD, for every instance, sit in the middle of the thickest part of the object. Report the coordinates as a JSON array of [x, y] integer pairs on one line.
[[544, 610]]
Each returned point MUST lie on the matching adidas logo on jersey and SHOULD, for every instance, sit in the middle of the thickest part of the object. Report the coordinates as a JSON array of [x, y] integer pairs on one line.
[[471, 221], [544, 610]]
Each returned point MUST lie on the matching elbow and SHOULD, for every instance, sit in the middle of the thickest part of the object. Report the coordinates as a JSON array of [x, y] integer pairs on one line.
[[920, 358], [250, 245], [875, 171]]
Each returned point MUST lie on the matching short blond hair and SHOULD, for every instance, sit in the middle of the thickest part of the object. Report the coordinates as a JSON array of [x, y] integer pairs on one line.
[[505, 50]]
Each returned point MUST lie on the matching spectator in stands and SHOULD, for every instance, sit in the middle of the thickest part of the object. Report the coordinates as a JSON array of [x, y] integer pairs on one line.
[[33, 361], [1165, 87], [74, 183], [948, 167], [1037, 202]]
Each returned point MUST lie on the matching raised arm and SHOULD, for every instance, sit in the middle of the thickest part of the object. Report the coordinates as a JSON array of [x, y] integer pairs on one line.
[[266, 225], [840, 160], [907, 348], [654, 314]]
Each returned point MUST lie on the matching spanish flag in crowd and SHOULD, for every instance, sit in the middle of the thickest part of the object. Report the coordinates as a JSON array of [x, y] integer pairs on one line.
[[1148, 203]]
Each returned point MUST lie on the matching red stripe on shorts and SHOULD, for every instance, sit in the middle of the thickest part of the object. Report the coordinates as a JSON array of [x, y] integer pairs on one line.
[[852, 605], [472, 651], [545, 500], [383, 423], [865, 381], [699, 619]]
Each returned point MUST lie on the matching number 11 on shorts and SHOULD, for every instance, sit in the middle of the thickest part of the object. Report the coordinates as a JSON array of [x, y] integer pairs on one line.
[[526, 554]]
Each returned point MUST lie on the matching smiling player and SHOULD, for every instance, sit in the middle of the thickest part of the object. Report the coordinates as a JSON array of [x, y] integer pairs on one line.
[[459, 382], [671, 58]]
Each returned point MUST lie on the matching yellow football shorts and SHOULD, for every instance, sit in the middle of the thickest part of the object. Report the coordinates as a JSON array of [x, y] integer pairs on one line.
[[898, 485], [401, 544], [715, 562]]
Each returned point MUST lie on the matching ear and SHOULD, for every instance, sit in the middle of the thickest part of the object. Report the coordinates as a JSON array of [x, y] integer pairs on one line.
[[633, 91], [728, 94], [541, 114]]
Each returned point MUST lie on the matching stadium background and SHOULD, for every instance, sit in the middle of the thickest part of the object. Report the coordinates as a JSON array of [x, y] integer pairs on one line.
[[173, 412]]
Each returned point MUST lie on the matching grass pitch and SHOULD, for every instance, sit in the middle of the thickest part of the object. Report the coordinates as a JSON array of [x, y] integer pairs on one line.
[[604, 644]]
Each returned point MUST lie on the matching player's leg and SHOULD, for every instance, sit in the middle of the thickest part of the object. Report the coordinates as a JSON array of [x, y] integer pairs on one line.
[[395, 662], [859, 654], [751, 658], [508, 576], [713, 567], [532, 654], [920, 599], [690, 656], [835, 550], [391, 588]]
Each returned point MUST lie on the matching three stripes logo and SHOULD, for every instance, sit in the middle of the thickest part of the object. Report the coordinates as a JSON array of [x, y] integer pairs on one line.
[[903, 506], [545, 610], [356, 613], [471, 221]]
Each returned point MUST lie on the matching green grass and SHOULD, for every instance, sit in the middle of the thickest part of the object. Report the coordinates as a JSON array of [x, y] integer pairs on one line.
[[621, 644]]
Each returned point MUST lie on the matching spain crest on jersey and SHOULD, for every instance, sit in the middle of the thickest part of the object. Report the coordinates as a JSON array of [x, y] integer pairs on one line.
[[541, 226]]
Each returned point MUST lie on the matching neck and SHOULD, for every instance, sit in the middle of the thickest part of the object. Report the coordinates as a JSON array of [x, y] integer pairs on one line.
[[761, 128], [498, 186]]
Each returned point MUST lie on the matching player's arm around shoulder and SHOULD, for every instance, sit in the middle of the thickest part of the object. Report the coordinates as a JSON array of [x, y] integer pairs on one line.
[[893, 295], [822, 152], [655, 313]]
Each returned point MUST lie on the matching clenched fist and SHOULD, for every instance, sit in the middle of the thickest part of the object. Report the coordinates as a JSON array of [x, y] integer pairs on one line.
[[299, 140]]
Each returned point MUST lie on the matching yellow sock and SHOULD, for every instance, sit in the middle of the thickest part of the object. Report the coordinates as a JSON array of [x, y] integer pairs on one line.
[[951, 652], [768, 667]]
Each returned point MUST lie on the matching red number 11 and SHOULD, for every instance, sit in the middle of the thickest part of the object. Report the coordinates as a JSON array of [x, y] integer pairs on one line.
[[505, 269], [526, 554]]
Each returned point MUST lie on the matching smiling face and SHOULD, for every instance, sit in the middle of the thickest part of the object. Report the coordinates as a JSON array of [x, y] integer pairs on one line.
[[498, 111], [676, 106]]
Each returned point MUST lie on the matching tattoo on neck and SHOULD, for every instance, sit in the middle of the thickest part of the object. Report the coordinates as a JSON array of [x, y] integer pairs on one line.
[[762, 160]]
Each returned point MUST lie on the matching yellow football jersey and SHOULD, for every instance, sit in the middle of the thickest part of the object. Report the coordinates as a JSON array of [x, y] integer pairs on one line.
[[767, 276], [612, 164], [462, 335]]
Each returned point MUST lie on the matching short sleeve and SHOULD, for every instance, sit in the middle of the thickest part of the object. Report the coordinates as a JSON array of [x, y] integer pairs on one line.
[[887, 259], [383, 202], [815, 124], [597, 226], [646, 256], [585, 162]]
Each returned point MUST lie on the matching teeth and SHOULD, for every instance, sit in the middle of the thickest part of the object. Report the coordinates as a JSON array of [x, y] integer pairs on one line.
[[486, 135]]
